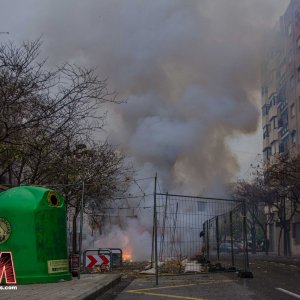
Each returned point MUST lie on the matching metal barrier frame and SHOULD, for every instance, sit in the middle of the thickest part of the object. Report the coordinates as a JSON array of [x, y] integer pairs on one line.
[[244, 271], [112, 250], [99, 251]]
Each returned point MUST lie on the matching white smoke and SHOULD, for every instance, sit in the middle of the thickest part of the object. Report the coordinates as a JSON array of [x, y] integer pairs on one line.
[[189, 69]]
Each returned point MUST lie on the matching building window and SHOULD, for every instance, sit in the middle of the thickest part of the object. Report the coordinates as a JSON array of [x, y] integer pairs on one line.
[[281, 148], [3, 179], [264, 90], [273, 99], [297, 16], [265, 110], [292, 81], [285, 143], [290, 56], [289, 29], [201, 205], [266, 131], [284, 121], [296, 233], [267, 153], [294, 137], [274, 123], [293, 112], [273, 148]]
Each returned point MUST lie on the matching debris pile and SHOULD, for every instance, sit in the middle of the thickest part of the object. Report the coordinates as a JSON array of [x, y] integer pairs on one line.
[[197, 264]]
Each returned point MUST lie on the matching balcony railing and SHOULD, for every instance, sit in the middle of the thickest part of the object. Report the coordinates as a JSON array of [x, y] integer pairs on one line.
[[284, 131]]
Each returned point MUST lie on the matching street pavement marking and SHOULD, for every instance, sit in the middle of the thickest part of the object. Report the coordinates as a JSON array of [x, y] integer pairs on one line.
[[149, 293], [216, 281], [288, 292], [168, 296], [199, 282], [161, 287]]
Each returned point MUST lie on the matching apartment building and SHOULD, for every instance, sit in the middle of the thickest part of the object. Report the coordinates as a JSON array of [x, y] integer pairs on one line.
[[281, 103], [281, 85]]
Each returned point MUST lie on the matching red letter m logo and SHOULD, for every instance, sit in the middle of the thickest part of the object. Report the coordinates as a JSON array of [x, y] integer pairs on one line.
[[7, 268]]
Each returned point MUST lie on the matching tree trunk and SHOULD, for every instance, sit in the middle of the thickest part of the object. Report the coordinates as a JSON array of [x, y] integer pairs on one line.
[[253, 239], [279, 242], [287, 244], [74, 234], [10, 179]]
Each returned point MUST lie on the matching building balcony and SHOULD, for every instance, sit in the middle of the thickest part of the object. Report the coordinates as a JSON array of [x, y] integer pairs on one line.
[[273, 135], [283, 107], [265, 119], [266, 142], [273, 112], [283, 132]]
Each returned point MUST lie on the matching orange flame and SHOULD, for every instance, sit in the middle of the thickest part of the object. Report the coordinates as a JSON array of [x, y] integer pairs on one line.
[[127, 256]]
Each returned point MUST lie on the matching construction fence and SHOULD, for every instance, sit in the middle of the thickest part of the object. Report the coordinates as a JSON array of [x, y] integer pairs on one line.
[[194, 233]]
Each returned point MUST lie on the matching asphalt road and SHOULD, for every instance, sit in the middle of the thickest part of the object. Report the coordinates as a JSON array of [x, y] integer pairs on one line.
[[272, 280], [191, 287]]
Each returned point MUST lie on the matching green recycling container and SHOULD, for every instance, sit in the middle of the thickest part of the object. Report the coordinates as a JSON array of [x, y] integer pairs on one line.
[[33, 229]]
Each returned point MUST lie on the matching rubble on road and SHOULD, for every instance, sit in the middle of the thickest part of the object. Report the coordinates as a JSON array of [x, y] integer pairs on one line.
[[176, 266], [194, 267]]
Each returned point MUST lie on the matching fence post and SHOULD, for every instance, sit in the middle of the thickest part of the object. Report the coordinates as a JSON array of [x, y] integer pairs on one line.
[[81, 228], [231, 238], [207, 238], [217, 238], [152, 246], [155, 233], [162, 241], [246, 273]]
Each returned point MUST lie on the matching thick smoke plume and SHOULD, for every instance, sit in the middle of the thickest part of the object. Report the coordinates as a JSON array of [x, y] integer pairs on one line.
[[189, 70]]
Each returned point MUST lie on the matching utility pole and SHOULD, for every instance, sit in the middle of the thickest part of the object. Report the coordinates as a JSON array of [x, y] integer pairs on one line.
[[81, 227], [155, 233]]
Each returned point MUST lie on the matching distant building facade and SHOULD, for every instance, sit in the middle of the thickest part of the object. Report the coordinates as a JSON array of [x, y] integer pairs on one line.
[[281, 103]]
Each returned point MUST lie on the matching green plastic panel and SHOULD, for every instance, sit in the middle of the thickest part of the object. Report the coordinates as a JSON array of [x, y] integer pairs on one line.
[[34, 229]]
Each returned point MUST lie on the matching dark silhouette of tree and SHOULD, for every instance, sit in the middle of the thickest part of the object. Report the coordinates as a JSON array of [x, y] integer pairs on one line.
[[48, 122]]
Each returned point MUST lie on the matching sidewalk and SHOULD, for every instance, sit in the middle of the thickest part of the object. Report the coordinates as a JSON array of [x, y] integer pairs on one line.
[[88, 287], [272, 257]]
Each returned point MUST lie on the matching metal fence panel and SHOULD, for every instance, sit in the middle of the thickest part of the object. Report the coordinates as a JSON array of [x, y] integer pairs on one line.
[[191, 229], [227, 238]]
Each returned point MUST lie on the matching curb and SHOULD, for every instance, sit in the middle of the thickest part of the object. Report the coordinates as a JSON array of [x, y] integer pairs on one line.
[[91, 295]]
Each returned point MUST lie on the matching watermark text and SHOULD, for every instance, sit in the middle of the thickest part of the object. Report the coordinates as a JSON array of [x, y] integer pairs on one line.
[[8, 287]]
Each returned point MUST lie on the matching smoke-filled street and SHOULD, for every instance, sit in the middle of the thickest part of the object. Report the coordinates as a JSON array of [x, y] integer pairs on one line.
[[273, 279], [186, 80], [150, 149]]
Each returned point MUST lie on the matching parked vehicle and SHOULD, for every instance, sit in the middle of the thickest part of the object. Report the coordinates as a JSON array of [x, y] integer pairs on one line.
[[226, 247]]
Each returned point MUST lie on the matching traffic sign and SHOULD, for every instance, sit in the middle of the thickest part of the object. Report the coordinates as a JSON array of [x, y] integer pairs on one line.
[[95, 260]]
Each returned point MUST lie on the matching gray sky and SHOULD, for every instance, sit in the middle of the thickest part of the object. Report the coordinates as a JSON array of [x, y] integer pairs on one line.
[[189, 69]]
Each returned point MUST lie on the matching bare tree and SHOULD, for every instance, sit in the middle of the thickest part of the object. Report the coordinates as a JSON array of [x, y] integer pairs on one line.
[[105, 174], [273, 196], [41, 109], [256, 196], [283, 178], [48, 121]]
